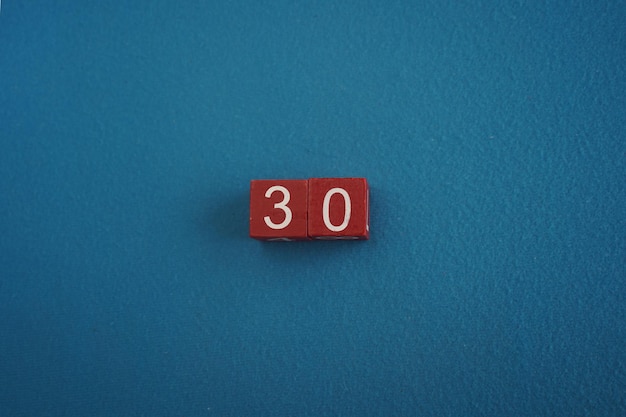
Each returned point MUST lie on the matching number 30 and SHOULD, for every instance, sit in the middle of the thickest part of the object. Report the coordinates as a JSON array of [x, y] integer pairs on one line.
[[325, 208]]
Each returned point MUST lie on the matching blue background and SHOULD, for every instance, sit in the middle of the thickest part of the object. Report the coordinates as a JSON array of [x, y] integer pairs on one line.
[[493, 137]]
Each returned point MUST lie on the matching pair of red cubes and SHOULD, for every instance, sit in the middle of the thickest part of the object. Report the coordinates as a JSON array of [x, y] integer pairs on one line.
[[317, 208]]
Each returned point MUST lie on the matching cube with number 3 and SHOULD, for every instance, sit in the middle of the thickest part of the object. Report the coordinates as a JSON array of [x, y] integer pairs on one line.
[[278, 209]]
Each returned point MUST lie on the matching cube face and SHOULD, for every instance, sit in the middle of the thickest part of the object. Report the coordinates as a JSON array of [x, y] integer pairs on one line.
[[278, 209], [338, 208]]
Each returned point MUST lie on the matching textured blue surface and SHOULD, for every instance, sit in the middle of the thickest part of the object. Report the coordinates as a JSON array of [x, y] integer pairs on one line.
[[494, 138]]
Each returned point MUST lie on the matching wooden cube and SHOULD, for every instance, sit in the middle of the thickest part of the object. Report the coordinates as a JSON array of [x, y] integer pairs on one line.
[[278, 209], [338, 208]]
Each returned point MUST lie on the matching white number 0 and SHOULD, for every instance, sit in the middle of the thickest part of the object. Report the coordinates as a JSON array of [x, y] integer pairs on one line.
[[282, 205], [326, 209]]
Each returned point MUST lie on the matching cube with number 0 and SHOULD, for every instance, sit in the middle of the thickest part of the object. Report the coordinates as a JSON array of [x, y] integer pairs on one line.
[[338, 208], [278, 209]]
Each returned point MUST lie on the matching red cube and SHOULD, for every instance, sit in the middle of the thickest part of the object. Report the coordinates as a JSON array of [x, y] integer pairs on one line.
[[278, 209], [338, 208]]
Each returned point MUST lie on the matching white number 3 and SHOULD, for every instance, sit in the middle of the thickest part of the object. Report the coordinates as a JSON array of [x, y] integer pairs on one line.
[[282, 205]]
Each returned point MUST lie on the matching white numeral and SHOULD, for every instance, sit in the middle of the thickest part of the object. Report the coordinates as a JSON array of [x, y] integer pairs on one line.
[[282, 205], [326, 209]]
